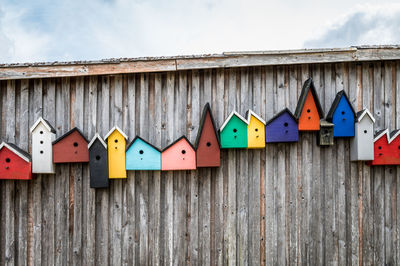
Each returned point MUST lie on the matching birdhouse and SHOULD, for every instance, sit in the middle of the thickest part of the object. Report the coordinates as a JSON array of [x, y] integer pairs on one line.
[[308, 111], [386, 148], [72, 147], [233, 132], [342, 116], [362, 145], [255, 131], [180, 155], [15, 163], [325, 134], [282, 127], [207, 141], [141, 155], [98, 162], [116, 142], [43, 134]]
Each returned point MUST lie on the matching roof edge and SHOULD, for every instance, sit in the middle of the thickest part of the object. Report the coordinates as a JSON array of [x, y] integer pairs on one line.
[[115, 66]]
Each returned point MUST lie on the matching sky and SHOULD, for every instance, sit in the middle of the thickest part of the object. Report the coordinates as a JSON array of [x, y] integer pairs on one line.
[[67, 30]]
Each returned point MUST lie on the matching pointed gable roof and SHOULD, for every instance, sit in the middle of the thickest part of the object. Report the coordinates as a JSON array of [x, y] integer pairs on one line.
[[112, 130], [148, 143], [336, 102], [393, 135], [361, 114], [250, 113], [97, 137], [17, 150], [206, 109], [173, 143], [308, 85], [69, 133], [286, 110], [233, 113], [389, 136], [46, 123]]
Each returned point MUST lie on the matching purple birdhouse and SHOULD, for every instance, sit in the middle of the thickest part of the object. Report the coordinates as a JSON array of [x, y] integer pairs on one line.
[[283, 127]]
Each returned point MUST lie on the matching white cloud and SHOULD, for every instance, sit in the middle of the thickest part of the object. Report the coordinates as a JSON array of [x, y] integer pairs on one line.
[[366, 25]]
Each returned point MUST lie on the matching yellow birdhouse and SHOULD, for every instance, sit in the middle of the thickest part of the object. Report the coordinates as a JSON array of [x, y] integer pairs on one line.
[[255, 131], [116, 142]]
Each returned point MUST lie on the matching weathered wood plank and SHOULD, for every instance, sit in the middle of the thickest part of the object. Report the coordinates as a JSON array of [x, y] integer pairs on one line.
[[230, 177], [217, 174], [292, 187], [377, 181], [143, 197], [168, 137], [232, 59], [9, 206], [62, 173], [270, 229], [388, 179], [193, 117], [243, 174], [22, 187], [89, 195], [155, 186], [102, 196], [355, 81], [48, 187]]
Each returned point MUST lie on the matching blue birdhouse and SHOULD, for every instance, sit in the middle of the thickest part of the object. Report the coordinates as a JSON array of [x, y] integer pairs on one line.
[[342, 116], [141, 155]]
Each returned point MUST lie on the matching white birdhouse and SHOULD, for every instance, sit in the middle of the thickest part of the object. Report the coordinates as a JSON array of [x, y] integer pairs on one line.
[[362, 145], [43, 134]]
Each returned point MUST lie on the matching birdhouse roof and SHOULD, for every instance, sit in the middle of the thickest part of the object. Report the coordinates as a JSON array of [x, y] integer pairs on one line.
[[286, 110], [148, 143], [250, 113], [206, 109], [233, 113], [324, 123], [173, 143], [17, 150], [394, 134], [390, 136], [45, 123], [69, 133], [361, 114], [308, 85], [112, 130], [97, 136], [336, 102]]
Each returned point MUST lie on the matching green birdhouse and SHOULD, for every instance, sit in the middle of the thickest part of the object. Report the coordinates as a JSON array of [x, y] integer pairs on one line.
[[233, 133]]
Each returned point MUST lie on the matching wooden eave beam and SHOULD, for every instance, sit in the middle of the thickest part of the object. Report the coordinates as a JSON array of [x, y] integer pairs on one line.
[[229, 59]]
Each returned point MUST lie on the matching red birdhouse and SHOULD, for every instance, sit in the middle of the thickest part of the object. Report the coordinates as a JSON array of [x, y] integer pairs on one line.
[[386, 148], [207, 141], [72, 147], [15, 163]]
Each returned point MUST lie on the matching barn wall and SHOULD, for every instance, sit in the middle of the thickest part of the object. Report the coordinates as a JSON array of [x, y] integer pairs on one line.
[[289, 203]]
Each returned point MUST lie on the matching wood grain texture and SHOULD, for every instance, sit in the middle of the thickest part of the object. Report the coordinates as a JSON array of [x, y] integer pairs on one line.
[[290, 203]]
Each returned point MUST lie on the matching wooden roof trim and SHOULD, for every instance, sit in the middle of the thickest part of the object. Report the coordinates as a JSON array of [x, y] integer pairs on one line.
[[228, 59], [97, 137]]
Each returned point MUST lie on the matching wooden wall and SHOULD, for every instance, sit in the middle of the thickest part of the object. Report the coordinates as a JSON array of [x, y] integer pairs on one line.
[[289, 203]]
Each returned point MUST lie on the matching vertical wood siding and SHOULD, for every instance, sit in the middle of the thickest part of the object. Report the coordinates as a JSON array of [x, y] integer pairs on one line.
[[287, 204]]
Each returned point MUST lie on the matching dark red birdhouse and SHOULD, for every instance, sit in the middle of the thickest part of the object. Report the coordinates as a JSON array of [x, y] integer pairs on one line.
[[15, 163], [207, 141], [72, 147]]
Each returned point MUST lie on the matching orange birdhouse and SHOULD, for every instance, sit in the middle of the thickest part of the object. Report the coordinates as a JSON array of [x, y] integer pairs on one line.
[[308, 111]]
